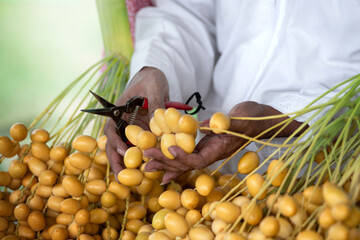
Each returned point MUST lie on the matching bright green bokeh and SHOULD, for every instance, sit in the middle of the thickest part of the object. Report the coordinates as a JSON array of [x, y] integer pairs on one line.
[[44, 45]]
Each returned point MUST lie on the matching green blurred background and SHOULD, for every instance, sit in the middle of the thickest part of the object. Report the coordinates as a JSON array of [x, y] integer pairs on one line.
[[44, 45]]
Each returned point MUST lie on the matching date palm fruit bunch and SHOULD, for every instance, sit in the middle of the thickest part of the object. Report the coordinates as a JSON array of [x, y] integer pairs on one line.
[[311, 187], [57, 188], [174, 129], [56, 181], [168, 128], [68, 191], [57, 191], [310, 191]]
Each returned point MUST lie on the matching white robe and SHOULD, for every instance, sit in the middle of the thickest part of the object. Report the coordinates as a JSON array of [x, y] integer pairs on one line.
[[283, 53]]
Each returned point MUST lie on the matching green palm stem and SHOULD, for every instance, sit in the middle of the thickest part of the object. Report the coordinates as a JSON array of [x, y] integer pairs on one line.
[[115, 28], [344, 129]]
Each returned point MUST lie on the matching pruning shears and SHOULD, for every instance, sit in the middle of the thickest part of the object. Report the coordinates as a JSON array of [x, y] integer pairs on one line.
[[131, 107]]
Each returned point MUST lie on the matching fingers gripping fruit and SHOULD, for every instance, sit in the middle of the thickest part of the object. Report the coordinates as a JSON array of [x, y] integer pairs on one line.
[[168, 127], [219, 121]]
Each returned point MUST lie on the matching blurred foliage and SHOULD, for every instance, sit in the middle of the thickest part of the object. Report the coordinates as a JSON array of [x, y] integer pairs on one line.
[[44, 45]]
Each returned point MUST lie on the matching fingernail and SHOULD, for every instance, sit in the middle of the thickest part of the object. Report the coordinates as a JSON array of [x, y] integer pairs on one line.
[[120, 151], [173, 152], [149, 169], [162, 183]]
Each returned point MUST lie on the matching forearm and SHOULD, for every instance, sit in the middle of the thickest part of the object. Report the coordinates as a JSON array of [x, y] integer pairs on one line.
[[253, 128]]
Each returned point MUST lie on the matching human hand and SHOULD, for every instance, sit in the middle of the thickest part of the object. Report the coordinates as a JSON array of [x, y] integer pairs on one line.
[[150, 83], [213, 147]]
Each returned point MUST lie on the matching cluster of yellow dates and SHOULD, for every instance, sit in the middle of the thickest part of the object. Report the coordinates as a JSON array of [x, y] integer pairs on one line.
[[69, 192], [50, 192], [174, 129], [168, 128]]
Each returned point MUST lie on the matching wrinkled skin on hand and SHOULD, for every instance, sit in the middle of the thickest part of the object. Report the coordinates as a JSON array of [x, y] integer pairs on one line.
[[150, 83], [213, 147]]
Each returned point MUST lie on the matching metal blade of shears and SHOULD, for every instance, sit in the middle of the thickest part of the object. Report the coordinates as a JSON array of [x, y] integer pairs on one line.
[[102, 101], [103, 111], [113, 112]]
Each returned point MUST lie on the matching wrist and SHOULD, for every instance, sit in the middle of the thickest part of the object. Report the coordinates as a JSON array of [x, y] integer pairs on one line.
[[286, 131], [148, 78]]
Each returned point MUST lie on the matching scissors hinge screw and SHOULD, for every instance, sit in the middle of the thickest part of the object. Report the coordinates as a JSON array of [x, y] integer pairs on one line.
[[116, 113]]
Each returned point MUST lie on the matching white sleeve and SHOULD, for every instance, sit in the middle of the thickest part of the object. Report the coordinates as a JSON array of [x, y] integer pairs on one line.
[[177, 37], [291, 102]]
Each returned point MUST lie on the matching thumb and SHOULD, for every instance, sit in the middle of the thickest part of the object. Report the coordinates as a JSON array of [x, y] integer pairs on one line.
[[205, 123]]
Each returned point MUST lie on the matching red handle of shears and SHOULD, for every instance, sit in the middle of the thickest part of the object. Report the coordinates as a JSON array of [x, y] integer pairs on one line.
[[177, 105]]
